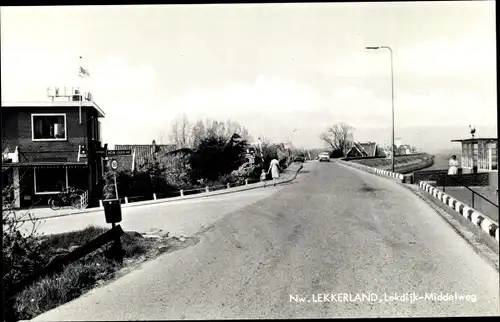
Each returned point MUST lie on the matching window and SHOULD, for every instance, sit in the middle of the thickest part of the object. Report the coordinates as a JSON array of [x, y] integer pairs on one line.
[[99, 134], [50, 180], [493, 146], [483, 156], [467, 155], [48, 127]]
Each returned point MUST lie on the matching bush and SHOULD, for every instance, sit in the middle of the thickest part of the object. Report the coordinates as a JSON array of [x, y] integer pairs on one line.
[[216, 157], [76, 278], [22, 253]]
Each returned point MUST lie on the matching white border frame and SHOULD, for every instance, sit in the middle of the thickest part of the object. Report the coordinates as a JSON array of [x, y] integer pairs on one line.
[[49, 114], [47, 192]]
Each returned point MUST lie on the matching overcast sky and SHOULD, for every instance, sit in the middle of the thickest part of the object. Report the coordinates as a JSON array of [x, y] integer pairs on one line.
[[271, 67]]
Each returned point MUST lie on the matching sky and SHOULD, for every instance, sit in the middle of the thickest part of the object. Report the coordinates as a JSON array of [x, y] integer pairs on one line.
[[271, 67]]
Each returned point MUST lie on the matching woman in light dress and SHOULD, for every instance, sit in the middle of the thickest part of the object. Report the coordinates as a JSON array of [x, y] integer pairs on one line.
[[453, 165], [274, 168]]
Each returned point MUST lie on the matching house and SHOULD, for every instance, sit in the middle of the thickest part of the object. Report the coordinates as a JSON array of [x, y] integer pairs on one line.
[[141, 153], [403, 149], [479, 154], [369, 149], [50, 146]]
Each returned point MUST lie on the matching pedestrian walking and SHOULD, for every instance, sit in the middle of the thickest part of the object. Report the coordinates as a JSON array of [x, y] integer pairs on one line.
[[274, 168], [263, 176], [453, 165]]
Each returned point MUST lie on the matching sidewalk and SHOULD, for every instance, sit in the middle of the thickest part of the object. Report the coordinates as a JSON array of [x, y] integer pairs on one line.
[[176, 218], [43, 213]]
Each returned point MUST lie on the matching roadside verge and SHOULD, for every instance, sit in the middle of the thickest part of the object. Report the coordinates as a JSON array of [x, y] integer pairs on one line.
[[384, 173]]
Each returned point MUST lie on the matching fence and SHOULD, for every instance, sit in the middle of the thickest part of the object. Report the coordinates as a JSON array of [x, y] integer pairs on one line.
[[454, 180], [184, 192], [84, 200]]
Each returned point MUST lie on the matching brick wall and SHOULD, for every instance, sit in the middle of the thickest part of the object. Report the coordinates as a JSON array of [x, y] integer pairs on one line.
[[17, 131]]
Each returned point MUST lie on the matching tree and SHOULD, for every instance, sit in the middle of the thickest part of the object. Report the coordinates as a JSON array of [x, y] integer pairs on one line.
[[198, 132], [337, 136], [215, 157], [180, 132]]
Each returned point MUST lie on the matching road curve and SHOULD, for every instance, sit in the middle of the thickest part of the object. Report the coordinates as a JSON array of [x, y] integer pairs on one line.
[[338, 230]]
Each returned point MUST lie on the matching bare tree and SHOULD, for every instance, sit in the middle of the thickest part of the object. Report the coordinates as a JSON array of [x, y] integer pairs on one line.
[[198, 131], [180, 132], [337, 136]]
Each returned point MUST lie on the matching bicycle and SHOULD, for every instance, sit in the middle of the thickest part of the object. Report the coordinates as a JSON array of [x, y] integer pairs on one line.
[[69, 197]]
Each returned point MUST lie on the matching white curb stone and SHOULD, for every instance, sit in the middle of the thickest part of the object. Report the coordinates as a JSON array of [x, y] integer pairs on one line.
[[466, 211], [485, 225], [473, 217]]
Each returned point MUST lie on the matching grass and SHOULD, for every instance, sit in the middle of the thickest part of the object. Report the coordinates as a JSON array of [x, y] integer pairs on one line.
[[80, 276], [399, 161]]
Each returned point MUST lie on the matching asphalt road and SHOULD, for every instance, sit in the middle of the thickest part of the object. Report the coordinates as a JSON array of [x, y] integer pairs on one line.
[[337, 230]]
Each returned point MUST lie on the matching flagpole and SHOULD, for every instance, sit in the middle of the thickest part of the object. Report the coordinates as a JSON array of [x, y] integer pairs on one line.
[[80, 92]]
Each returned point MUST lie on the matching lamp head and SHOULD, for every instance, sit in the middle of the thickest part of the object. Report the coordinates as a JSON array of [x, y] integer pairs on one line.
[[372, 47], [472, 129]]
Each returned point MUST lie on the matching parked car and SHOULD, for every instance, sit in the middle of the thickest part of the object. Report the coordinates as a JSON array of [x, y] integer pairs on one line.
[[325, 156], [299, 158]]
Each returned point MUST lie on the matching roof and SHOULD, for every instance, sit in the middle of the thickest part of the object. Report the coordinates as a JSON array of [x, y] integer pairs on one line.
[[370, 148], [143, 152], [183, 150], [55, 104], [475, 140], [146, 149]]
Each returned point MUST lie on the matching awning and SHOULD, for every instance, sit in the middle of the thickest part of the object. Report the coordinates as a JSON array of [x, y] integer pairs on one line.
[[45, 164]]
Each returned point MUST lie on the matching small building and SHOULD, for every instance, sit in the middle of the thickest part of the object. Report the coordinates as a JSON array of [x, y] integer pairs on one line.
[[50, 146], [479, 154]]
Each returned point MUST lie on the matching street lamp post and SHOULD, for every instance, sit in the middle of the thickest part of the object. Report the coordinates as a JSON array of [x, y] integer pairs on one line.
[[291, 144], [392, 93]]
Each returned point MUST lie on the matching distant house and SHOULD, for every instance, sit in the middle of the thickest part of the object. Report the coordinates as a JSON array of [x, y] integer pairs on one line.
[[142, 152], [369, 149], [403, 149]]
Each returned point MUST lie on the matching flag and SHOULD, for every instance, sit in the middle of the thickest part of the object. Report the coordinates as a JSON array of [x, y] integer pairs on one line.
[[83, 72]]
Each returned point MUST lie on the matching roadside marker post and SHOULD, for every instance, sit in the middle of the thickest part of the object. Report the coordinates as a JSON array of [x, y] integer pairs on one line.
[[113, 213]]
